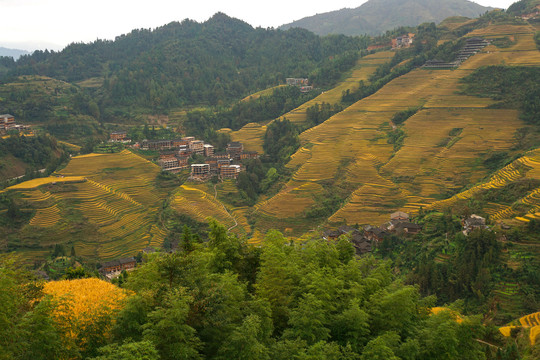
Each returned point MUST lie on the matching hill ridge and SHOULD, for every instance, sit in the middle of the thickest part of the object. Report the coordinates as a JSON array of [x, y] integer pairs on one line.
[[377, 16]]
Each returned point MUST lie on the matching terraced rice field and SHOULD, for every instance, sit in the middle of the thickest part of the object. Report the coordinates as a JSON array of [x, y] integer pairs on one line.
[[34, 183], [118, 200], [531, 322], [195, 201], [264, 92], [526, 167], [352, 145], [252, 134]]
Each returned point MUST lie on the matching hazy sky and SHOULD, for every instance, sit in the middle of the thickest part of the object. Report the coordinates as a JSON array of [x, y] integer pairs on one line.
[[40, 24]]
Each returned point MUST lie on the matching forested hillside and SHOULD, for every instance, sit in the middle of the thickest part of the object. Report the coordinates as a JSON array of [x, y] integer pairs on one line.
[[186, 64], [225, 299]]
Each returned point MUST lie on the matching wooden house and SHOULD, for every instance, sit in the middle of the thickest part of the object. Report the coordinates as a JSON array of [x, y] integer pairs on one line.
[[399, 215], [208, 150], [229, 171], [200, 171], [118, 136], [7, 122], [472, 223], [235, 148], [118, 265]]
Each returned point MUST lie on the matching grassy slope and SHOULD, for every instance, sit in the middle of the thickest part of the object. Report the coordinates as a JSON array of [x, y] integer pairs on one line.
[[422, 169]]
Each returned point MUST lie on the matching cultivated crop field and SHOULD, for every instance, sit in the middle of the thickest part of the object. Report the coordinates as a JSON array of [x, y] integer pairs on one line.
[[530, 322], [196, 201], [105, 206], [439, 153], [252, 134]]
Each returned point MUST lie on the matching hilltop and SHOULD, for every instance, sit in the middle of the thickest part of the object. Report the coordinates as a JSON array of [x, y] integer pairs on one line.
[[377, 16], [14, 53], [180, 65]]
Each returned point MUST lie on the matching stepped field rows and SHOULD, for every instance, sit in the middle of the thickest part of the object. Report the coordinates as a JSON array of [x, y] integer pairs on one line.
[[526, 167], [195, 201], [531, 322], [252, 134], [118, 199], [352, 145]]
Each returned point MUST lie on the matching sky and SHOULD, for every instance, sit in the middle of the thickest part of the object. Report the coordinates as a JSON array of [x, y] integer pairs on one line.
[[53, 24]]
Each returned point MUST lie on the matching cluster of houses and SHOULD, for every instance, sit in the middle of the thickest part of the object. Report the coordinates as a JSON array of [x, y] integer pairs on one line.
[[535, 14], [403, 41], [119, 136], [175, 154], [224, 165], [8, 123], [365, 239], [113, 268], [400, 42], [301, 83], [472, 46]]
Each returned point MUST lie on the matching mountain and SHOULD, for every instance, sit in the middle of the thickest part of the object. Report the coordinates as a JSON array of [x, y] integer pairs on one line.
[[377, 16], [14, 53], [184, 64]]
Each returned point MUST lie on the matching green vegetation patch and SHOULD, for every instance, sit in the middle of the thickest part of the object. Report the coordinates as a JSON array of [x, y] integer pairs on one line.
[[515, 87]]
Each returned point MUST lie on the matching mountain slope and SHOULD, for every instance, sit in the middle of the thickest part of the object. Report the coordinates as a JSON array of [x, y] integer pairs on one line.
[[376, 16], [185, 64], [14, 53], [444, 144]]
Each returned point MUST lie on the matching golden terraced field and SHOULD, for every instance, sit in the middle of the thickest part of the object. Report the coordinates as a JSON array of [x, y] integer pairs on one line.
[[252, 134], [352, 145], [198, 201], [117, 205]]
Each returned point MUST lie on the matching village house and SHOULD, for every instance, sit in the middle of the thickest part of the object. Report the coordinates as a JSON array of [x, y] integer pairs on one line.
[[169, 163], [182, 161], [331, 234], [472, 223], [118, 136], [156, 145], [297, 82], [248, 155], [216, 164], [221, 155], [200, 171], [403, 41], [374, 234], [399, 215], [407, 227], [208, 150], [235, 148], [197, 147], [360, 242], [180, 142], [7, 122], [112, 268], [229, 171]]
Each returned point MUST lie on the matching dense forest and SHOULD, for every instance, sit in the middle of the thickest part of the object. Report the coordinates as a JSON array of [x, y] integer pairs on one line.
[[224, 299], [190, 63]]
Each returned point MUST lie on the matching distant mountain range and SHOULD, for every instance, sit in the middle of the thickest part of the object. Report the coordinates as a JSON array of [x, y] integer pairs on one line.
[[376, 16], [14, 53]]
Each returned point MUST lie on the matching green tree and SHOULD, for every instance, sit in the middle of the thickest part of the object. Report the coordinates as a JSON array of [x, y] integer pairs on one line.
[[142, 350], [167, 329], [247, 342]]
